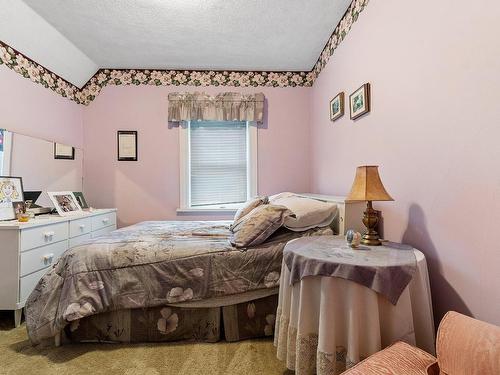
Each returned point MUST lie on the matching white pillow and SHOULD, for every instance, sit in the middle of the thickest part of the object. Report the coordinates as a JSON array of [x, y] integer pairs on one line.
[[310, 213], [285, 194]]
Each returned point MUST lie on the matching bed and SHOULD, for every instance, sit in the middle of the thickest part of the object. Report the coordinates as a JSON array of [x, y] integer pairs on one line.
[[162, 281]]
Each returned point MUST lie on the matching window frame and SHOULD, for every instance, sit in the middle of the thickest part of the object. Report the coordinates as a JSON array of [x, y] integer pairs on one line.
[[185, 173]]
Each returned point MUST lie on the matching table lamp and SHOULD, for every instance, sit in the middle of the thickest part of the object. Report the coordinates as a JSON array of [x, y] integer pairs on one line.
[[368, 187]]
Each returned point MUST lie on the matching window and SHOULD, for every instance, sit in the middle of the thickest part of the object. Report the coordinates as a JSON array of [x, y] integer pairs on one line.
[[218, 164]]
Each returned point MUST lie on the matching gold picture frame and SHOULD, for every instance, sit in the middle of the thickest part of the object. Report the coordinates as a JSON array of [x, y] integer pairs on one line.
[[359, 102], [337, 106]]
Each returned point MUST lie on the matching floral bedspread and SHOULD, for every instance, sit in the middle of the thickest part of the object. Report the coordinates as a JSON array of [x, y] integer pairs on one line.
[[151, 264]]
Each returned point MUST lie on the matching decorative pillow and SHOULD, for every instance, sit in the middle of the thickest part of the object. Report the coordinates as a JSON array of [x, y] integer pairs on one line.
[[309, 213], [284, 194], [249, 206], [255, 227]]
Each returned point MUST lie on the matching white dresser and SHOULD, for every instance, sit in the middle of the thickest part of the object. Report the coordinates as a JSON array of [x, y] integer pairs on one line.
[[29, 249]]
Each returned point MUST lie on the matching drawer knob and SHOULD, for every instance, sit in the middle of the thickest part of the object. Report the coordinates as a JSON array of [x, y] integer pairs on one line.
[[48, 235], [82, 226], [47, 258], [105, 220]]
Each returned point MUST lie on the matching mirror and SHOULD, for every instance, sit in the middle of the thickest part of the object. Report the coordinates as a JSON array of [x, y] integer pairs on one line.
[[43, 165]]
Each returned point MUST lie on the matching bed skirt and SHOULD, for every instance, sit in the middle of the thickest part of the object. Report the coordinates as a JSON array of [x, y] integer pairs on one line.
[[235, 322]]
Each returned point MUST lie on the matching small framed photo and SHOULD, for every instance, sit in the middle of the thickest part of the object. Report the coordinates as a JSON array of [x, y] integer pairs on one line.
[[80, 199], [337, 107], [65, 202], [19, 208], [11, 191], [127, 145], [64, 152], [359, 101]]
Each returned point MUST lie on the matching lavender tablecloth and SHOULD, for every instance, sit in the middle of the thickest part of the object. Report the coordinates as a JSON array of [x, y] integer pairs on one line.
[[386, 269]]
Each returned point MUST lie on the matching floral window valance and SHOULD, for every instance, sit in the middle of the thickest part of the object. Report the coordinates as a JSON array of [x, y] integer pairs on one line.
[[228, 106]]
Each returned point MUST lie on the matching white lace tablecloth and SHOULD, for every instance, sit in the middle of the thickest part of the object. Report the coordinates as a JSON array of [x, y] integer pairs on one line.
[[327, 324]]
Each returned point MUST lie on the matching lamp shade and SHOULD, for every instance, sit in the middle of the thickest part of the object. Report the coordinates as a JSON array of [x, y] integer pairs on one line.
[[367, 185]]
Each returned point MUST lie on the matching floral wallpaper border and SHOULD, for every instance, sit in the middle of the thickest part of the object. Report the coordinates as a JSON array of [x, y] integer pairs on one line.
[[37, 73], [339, 34], [104, 77]]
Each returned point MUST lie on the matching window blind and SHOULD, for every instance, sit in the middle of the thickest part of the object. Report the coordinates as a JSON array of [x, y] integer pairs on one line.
[[218, 162]]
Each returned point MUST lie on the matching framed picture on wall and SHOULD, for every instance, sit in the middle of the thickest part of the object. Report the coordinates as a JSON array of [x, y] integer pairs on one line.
[[337, 107], [11, 191], [64, 152], [359, 101], [65, 202], [127, 145]]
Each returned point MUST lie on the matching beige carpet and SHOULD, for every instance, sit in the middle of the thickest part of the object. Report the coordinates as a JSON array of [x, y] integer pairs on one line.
[[18, 357]]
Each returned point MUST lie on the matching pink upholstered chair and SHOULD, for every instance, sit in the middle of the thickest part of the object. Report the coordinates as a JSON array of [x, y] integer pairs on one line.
[[464, 346]]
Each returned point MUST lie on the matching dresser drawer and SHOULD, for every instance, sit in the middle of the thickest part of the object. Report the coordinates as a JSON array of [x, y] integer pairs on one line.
[[28, 283], [103, 231], [41, 257], [43, 235], [104, 220], [75, 241], [80, 226]]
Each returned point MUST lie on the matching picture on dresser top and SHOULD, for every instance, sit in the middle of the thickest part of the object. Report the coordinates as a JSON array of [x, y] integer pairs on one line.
[[81, 199], [65, 202], [11, 190]]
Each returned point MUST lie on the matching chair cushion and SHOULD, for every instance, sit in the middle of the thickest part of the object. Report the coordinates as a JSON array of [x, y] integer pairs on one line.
[[466, 346], [398, 359]]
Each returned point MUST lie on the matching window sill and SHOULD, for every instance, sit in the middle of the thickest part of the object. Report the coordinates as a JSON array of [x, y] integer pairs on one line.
[[210, 210]]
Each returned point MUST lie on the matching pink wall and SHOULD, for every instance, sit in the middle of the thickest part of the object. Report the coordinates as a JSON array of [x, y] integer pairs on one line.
[[31, 109], [149, 189], [434, 130]]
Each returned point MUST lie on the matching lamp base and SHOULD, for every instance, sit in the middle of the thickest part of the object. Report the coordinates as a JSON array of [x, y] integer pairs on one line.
[[371, 239], [370, 220]]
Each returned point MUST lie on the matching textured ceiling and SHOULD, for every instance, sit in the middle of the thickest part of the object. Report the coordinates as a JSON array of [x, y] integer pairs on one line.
[[279, 35]]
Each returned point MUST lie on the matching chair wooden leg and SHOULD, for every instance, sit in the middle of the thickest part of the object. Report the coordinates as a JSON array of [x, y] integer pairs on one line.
[[17, 317]]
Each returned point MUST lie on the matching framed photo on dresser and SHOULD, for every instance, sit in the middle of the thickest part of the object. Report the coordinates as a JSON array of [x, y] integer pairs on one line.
[[65, 202], [81, 199], [11, 191]]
